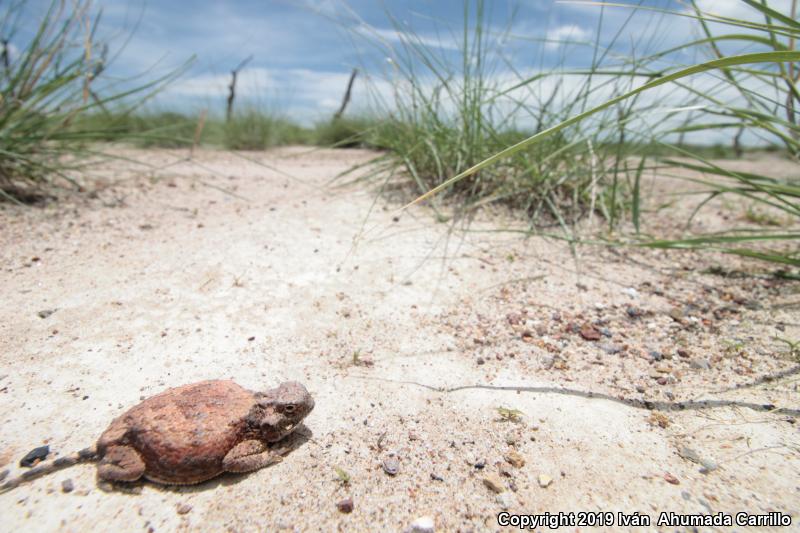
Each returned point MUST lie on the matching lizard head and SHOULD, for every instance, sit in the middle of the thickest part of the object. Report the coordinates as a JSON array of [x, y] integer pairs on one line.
[[280, 410]]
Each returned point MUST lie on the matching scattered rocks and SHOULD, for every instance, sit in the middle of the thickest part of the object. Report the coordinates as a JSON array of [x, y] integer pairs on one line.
[[35, 456], [44, 313], [700, 364], [683, 353], [67, 486], [391, 465], [480, 360], [423, 524], [493, 483], [184, 508], [345, 506], [544, 480], [515, 459]]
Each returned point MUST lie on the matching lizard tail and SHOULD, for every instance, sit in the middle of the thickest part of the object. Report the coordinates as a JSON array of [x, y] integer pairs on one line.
[[83, 456]]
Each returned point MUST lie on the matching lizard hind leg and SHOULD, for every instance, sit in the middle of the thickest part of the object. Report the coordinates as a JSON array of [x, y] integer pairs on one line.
[[249, 455], [120, 463]]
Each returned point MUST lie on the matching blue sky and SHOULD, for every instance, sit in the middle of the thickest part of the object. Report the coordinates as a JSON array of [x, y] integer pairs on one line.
[[304, 50]]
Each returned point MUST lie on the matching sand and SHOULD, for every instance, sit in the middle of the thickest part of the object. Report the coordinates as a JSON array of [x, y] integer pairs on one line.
[[615, 375]]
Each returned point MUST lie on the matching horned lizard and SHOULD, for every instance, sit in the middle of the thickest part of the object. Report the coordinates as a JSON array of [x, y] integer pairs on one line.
[[192, 433]]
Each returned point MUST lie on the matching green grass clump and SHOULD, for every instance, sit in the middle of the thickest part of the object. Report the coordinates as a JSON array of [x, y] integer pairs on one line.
[[144, 129], [345, 132], [256, 130], [451, 110], [455, 152], [48, 89]]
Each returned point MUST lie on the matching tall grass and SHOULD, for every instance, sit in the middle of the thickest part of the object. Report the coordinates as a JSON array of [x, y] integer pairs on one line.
[[47, 88], [765, 78], [450, 111]]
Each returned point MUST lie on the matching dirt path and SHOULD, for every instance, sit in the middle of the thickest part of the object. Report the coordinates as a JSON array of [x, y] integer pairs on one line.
[[165, 279]]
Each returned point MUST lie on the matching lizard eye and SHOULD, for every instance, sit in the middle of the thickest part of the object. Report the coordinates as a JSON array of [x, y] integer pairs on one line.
[[289, 408]]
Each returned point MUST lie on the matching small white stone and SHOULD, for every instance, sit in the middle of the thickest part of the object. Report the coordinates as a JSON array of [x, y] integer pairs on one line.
[[545, 480], [505, 500], [630, 291], [423, 524]]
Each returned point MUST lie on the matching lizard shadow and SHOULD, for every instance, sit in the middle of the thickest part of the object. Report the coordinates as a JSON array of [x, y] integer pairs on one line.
[[288, 444]]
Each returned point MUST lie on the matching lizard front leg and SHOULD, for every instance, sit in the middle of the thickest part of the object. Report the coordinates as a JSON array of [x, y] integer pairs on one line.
[[249, 455], [120, 463]]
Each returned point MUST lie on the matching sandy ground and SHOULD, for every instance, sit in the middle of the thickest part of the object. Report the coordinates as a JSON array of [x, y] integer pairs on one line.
[[625, 381]]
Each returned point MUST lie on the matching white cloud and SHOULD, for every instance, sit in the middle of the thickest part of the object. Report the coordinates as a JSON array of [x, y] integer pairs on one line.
[[389, 36], [565, 34], [303, 95], [739, 10]]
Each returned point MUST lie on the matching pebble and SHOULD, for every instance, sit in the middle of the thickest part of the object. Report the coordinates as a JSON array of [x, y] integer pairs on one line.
[[700, 364], [67, 486], [669, 478], [423, 524], [610, 349], [35, 455], [630, 291], [4, 474], [589, 333], [44, 313], [547, 362], [708, 466], [493, 483], [480, 360], [683, 353], [345, 506], [391, 465], [506, 500], [184, 508], [515, 459], [655, 355], [544, 480], [689, 454]]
